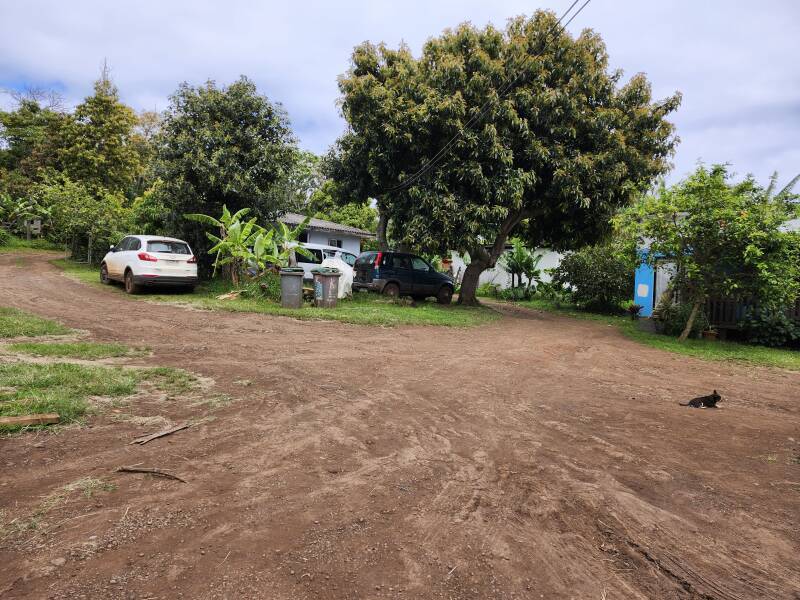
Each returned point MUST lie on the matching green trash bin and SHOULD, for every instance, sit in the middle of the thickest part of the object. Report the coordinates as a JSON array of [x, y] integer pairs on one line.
[[292, 287], [326, 286]]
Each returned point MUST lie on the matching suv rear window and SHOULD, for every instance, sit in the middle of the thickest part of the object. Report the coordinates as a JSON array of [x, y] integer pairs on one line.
[[168, 247], [367, 258]]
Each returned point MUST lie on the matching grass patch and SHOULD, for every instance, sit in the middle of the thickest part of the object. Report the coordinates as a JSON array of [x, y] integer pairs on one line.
[[16, 323], [83, 272], [83, 350], [16, 244], [362, 309], [65, 388], [697, 348], [168, 380], [61, 388]]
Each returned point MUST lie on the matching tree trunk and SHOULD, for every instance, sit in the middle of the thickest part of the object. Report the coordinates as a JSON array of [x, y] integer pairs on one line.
[[483, 259], [381, 233], [690, 322], [469, 283]]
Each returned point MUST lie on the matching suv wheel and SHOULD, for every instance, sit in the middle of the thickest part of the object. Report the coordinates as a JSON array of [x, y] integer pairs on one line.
[[130, 286], [445, 295], [392, 290], [104, 275]]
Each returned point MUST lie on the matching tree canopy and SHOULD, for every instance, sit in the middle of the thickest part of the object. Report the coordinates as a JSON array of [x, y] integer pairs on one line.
[[221, 146], [549, 142]]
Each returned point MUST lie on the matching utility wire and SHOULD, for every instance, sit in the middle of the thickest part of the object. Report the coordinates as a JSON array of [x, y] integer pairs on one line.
[[503, 90]]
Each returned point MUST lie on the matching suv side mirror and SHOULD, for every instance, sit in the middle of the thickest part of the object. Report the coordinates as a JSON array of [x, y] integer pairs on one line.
[[112, 248]]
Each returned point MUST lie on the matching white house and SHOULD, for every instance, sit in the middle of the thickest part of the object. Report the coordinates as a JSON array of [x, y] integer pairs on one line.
[[499, 275], [329, 233]]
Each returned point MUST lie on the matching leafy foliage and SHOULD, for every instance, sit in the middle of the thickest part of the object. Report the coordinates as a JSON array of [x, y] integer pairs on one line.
[[221, 147], [244, 243], [550, 161], [521, 262], [726, 239], [599, 277], [771, 327], [97, 146], [674, 316]]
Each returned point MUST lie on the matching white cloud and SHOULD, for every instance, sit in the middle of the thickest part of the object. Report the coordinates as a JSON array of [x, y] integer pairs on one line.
[[733, 61]]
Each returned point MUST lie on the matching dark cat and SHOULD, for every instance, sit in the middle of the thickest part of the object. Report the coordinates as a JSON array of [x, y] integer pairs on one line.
[[709, 401]]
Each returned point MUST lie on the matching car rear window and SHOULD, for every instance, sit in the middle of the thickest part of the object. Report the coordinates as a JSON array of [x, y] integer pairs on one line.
[[314, 259], [168, 247], [367, 258]]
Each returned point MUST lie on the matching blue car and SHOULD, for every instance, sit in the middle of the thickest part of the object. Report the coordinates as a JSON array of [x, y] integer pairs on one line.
[[401, 274]]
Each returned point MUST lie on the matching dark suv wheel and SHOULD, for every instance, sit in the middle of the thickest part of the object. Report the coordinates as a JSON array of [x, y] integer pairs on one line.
[[392, 290], [104, 274], [445, 295]]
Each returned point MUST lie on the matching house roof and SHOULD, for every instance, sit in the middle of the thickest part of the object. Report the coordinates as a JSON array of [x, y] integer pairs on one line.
[[323, 225]]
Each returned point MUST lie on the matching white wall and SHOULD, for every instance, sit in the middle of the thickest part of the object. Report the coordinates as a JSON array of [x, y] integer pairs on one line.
[[349, 242], [499, 276]]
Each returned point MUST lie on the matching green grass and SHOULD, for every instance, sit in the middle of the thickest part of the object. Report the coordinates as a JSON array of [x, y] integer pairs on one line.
[[16, 245], [83, 350], [61, 388], [80, 271], [65, 388], [15, 323], [697, 348], [362, 309]]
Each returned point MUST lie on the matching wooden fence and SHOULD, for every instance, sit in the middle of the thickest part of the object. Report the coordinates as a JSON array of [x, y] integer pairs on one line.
[[726, 314]]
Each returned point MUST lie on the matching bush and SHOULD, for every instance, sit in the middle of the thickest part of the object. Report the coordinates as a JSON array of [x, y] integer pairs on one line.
[[488, 290], [266, 286], [599, 277], [5, 238], [674, 318], [516, 293], [771, 327]]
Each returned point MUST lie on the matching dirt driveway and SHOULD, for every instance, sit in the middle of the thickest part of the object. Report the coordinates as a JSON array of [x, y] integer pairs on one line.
[[536, 457]]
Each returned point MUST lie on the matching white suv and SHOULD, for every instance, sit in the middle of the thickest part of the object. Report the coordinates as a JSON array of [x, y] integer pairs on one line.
[[149, 260]]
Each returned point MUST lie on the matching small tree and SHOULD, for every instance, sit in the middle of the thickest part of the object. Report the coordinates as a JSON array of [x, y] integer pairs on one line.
[[725, 239], [521, 262], [599, 277], [220, 146], [244, 243]]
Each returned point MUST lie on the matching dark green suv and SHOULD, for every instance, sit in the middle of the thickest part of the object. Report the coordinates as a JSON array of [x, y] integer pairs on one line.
[[401, 274]]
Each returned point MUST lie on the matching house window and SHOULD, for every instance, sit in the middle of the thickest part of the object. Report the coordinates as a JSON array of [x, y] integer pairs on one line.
[[335, 243], [303, 237]]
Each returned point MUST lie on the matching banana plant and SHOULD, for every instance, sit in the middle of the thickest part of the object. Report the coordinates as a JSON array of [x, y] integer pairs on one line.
[[232, 245], [243, 243]]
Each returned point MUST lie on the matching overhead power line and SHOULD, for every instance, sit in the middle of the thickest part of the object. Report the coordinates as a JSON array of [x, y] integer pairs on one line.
[[502, 92]]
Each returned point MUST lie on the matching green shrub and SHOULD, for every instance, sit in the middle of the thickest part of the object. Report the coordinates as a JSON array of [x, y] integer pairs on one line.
[[266, 286], [488, 290], [771, 327], [516, 293], [674, 317], [598, 277], [5, 237]]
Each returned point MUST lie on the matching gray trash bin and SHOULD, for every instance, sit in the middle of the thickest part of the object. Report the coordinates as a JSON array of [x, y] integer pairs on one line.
[[292, 287], [326, 286]]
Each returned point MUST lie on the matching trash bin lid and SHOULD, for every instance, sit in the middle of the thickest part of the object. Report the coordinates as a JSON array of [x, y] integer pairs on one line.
[[326, 271], [292, 270]]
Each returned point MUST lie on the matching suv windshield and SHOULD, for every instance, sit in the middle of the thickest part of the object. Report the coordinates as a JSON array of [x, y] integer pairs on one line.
[[168, 247]]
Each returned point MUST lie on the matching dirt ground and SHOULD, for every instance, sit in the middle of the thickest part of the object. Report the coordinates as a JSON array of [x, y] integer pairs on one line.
[[535, 457]]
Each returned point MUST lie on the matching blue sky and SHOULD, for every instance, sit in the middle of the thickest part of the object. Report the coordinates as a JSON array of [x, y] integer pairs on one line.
[[734, 60]]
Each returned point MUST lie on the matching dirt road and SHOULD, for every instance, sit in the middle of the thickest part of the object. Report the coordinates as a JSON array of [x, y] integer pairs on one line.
[[536, 457]]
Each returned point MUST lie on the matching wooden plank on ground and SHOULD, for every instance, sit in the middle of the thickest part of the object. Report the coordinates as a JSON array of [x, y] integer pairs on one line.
[[39, 419]]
